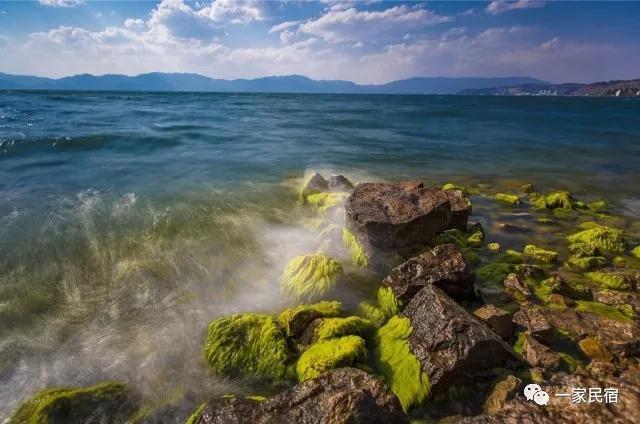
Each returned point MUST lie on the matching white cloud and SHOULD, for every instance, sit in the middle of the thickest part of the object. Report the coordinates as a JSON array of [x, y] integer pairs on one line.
[[499, 6], [61, 3], [338, 26], [282, 26], [236, 12], [134, 23]]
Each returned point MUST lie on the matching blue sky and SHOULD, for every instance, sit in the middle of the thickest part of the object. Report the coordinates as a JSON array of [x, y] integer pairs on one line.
[[362, 41]]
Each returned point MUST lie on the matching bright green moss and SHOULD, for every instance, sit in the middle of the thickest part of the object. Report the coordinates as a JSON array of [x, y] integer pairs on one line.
[[388, 302], [399, 367], [636, 252], [322, 202], [476, 239], [247, 344], [627, 310], [257, 398], [510, 199], [567, 214], [75, 405], [309, 277], [493, 247], [494, 272], [519, 345], [601, 310], [545, 221], [540, 255], [358, 255], [453, 236], [543, 289], [372, 313], [598, 205], [559, 199], [194, 417], [295, 320], [510, 257], [453, 186], [329, 328], [330, 354], [569, 362], [587, 263], [609, 280], [602, 238]]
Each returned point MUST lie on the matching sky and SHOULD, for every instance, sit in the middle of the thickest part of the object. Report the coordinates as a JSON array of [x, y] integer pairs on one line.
[[360, 41]]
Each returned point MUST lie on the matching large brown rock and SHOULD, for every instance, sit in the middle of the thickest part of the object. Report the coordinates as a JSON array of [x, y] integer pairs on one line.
[[442, 266], [449, 342], [538, 355], [389, 218], [532, 318], [341, 396]]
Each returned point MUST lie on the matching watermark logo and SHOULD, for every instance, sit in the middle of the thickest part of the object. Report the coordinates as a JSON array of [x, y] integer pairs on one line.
[[534, 392]]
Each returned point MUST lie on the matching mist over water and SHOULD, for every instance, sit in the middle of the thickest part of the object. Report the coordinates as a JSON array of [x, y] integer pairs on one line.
[[129, 221]]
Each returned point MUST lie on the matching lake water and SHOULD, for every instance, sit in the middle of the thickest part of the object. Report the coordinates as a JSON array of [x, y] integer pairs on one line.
[[129, 220]]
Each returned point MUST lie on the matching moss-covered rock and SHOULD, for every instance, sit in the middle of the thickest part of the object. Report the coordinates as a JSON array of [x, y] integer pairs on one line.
[[470, 256], [559, 199], [111, 401], [540, 255], [329, 328], [399, 367], [329, 354], [358, 255], [493, 247], [196, 414], [322, 202], [610, 280], [510, 199], [587, 263], [494, 272], [602, 310], [510, 256], [453, 186], [476, 239], [592, 347], [310, 277], [372, 313], [636, 252], [247, 344], [598, 205], [388, 302], [295, 320], [602, 238]]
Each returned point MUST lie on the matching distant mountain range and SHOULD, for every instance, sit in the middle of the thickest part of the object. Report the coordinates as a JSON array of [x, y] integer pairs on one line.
[[618, 88], [277, 84]]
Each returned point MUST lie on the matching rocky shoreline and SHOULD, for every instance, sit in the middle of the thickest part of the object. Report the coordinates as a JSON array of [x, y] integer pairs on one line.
[[458, 326]]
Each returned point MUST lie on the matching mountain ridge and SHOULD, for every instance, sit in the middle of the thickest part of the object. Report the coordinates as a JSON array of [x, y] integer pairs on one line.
[[161, 81]]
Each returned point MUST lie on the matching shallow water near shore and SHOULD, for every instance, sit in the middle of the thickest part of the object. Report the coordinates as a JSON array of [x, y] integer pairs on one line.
[[128, 221]]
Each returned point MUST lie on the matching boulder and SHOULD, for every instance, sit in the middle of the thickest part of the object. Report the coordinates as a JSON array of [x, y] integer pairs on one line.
[[535, 353], [515, 285], [339, 183], [388, 218], [442, 266], [532, 319], [341, 396], [448, 341], [498, 319]]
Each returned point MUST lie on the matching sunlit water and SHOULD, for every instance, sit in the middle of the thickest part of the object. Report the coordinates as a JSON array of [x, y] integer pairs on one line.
[[129, 221]]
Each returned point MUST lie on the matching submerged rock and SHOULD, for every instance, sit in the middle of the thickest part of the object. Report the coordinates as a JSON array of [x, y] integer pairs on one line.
[[443, 266], [329, 354], [538, 254], [448, 341], [388, 218], [106, 402], [344, 395], [295, 320], [310, 277], [510, 199], [604, 239], [248, 344]]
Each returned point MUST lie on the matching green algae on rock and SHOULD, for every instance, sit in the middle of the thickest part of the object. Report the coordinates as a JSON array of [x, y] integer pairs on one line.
[[295, 320], [111, 401], [610, 280], [494, 272], [510, 199], [328, 354], [559, 199], [309, 277], [509, 256], [372, 313], [358, 255], [322, 202], [247, 344], [329, 328], [605, 239], [587, 263], [602, 310], [196, 414], [399, 367], [540, 255], [636, 252], [454, 186], [493, 247], [389, 304]]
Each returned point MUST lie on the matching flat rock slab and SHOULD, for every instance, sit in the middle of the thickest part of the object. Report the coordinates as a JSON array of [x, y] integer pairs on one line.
[[341, 396], [448, 341], [442, 266], [393, 217]]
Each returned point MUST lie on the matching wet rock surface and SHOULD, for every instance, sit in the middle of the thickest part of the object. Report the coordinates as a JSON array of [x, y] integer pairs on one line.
[[396, 217], [538, 355], [448, 341], [341, 396], [498, 319], [442, 266], [532, 319]]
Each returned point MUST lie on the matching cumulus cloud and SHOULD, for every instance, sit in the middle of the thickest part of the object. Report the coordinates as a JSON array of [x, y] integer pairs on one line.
[[499, 6], [61, 3], [342, 25], [283, 26]]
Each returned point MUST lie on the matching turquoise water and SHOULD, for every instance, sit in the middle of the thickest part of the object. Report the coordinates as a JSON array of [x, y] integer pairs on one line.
[[129, 220]]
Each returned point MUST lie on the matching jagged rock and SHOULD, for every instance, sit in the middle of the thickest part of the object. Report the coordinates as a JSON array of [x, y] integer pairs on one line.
[[339, 183], [316, 184], [494, 295], [517, 287], [618, 298], [532, 318], [557, 284], [340, 396], [448, 341], [503, 391], [442, 266], [536, 354], [498, 319], [388, 218], [561, 409], [620, 337]]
